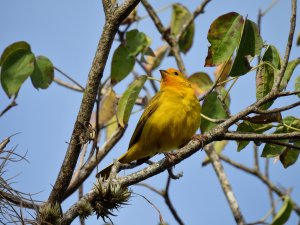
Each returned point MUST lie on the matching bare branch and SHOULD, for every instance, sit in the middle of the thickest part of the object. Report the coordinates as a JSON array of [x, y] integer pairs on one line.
[[260, 176], [261, 137], [225, 184], [273, 3], [169, 203], [166, 35], [256, 160], [107, 5], [67, 85], [95, 75], [281, 109], [89, 166], [150, 188], [272, 201], [289, 44], [69, 78], [17, 200]]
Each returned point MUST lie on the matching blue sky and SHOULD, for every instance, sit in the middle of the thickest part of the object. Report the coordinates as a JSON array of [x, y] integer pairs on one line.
[[67, 32]]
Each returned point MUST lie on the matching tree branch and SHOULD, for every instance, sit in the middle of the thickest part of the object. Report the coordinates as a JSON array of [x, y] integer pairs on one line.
[[225, 184], [166, 35], [259, 137], [11, 105], [17, 200], [67, 85], [270, 192], [69, 78], [281, 109], [110, 28], [89, 166], [260, 176], [289, 44]]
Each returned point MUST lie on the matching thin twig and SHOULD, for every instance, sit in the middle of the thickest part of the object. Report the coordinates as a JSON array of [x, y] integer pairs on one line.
[[161, 220], [166, 35], [150, 188], [281, 109], [69, 78], [11, 105], [262, 137], [67, 85], [199, 10], [169, 203], [289, 44], [152, 82], [256, 160], [273, 3], [165, 194]]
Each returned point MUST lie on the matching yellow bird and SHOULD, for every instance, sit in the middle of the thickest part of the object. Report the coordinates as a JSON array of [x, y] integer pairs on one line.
[[168, 122]]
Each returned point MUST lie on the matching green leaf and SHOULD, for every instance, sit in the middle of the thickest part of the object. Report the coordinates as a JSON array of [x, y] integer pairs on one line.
[[16, 68], [250, 45], [21, 45], [288, 73], [298, 39], [121, 65], [213, 108], [127, 100], [180, 16], [289, 156], [284, 213], [266, 73], [201, 82], [43, 73], [291, 122], [272, 150], [297, 85], [243, 127], [224, 35], [136, 42]]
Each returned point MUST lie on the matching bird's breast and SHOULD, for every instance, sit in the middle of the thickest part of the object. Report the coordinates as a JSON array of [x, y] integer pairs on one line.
[[173, 123]]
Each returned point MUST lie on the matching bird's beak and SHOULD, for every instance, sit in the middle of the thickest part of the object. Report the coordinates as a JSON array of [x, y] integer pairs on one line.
[[163, 73]]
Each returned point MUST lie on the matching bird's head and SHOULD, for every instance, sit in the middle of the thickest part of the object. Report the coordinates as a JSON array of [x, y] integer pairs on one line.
[[171, 72], [173, 77]]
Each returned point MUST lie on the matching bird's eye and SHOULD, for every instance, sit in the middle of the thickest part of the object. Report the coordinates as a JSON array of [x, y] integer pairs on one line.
[[176, 73]]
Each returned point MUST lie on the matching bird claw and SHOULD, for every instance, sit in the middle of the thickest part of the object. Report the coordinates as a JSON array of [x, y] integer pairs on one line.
[[200, 137], [170, 156]]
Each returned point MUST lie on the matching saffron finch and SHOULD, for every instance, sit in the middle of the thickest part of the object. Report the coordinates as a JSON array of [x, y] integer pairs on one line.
[[168, 122]]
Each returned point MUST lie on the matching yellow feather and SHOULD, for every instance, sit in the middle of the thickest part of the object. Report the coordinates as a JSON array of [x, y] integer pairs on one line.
[[168, 122]]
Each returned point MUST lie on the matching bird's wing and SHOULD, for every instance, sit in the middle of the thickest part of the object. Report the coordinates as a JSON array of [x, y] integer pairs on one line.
[[150, 109]]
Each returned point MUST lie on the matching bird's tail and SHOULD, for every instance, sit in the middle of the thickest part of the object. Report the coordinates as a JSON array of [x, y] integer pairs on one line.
[[134, 153], [106, 171]]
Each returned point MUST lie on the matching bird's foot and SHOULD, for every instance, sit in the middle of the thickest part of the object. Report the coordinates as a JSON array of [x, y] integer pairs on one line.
[[170, 156], [200, 137]]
